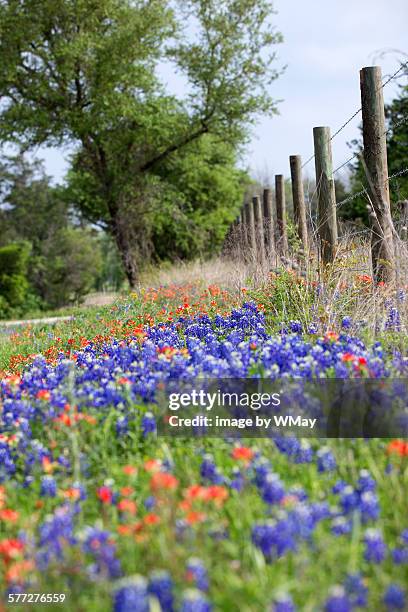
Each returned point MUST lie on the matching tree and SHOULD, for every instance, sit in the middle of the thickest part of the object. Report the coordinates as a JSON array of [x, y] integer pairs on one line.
[[58, 261], [86, 72]]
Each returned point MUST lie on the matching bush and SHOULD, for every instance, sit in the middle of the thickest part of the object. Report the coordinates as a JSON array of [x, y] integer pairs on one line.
[[71, 267], [14, 285]]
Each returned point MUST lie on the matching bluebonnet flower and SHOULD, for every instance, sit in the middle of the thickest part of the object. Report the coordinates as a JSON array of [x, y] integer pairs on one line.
[[304, 453], [122, 426], [131, 596], [238, 480], [55, 534], [148, 424], [394, 598], [295, 327], [194, 601], [99, 543], [401, 295], [369, 506], [150, 502], [274, 538], [340, 526], [375, 546], [325, 460], [400, 555], [197, 573], [393, 321], [366, 482], [209, 471], [349, 499], [338, 601], [339, 486], [272, 490], [346, 322], [161, 586], [283, 603], [48, 487], [356, 590]]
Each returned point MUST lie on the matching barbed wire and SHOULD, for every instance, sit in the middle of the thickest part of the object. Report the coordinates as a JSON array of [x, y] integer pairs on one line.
[[358, 153], [364, 190], [345, 124]]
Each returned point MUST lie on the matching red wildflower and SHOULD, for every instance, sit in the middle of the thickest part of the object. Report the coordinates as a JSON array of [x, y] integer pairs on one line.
[[43, 394], [126, 491], [398, 447], [127, 505], [195, 517], [129, 470], [163, 480], [151, 519], [217, 494], [72, 493], [105, 495], [11, 548], [242, 453], [9, 515], [18, 570], [348, 357], [195, 492]]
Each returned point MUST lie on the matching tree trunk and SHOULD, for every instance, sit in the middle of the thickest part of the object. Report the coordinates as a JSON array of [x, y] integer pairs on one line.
[[127, 248]]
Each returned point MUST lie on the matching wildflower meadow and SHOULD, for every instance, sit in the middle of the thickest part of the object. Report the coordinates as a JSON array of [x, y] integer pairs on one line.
[[98, 512]]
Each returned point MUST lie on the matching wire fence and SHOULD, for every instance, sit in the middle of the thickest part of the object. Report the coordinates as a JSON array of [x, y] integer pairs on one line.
[[316, 224], [354, 115]]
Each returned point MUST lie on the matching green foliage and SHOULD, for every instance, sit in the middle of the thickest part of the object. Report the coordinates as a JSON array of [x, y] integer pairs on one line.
[[63, 261], [87, 73], [14, 287], [199, 194], [72, 269]]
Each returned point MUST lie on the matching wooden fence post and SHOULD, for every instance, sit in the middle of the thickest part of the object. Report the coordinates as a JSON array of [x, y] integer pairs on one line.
[[259, 229], [269, 222], [250, 250], [376, 167], [281, 214], [326, 211], [299, 208]]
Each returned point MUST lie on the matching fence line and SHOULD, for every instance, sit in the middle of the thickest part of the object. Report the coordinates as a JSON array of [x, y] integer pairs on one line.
[[357, 112], [261, 225]]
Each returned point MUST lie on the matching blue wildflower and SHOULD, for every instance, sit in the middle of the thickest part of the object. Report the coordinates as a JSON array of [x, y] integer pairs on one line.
[[375, 546], [132, 596], [394, 598]]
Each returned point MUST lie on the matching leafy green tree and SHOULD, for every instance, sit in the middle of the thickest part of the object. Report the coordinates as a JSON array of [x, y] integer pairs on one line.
[[71, 271], [86, 72], [14, 286], [58, 262]]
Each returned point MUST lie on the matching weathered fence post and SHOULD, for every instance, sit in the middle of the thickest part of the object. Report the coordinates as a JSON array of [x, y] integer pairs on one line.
[[269, 222], [299, 208], [376, 167], [259, 228], [281, 214], [250, 250], [326, 210]]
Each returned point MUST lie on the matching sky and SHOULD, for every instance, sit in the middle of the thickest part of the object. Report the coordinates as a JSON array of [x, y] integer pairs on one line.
[[326, 43]]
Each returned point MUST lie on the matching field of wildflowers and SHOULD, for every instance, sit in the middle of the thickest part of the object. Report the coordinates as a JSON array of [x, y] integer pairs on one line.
[[95, 505]]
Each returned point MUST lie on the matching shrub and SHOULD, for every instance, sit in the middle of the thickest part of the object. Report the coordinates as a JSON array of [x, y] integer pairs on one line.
[[14, 285]]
